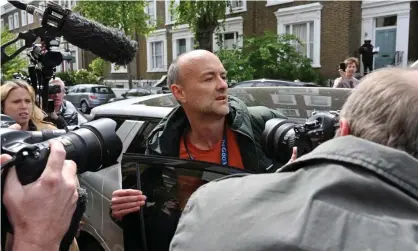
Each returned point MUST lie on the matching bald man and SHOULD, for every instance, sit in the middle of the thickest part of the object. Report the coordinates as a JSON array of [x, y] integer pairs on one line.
[[65, 114], [208, 125]]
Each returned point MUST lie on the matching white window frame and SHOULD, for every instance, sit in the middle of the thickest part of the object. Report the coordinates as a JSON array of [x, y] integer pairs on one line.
[[30, 18], [10, 23], [181, 32], [153, 16], [24, 17], [118, 69], [233, 24], [277, 2], [168, 12], [157, 36], [302, 14], [243, 8], [16, 20]]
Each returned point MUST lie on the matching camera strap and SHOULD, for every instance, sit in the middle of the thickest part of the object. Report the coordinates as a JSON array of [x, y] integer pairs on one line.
[[224, 149]]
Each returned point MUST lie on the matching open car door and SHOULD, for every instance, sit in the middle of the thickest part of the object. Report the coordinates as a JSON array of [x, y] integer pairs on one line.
[[168, 183]]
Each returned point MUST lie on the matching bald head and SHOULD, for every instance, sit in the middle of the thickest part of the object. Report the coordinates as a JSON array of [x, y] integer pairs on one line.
[[383, 109], [187, 62]]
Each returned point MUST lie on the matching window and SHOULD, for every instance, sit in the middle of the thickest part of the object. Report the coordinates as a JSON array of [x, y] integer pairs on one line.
[[169, 12], [157, 51], [151, 10], [230, 34], [324, 101], [305, 33], [102, 90], [24, 18], [30, 18], [303, 21], [276, 2], [182, 40], [386, 21], [11, 27], [2, 24], [282, 99], [236, 6], [139, 143], [74, 54], [16, 20]]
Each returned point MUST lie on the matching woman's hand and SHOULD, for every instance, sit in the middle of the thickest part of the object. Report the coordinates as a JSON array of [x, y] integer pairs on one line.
[[15, 126]]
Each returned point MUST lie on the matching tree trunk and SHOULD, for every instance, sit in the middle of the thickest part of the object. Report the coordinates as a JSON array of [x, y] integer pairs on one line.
[[204, 37], [129, 75]]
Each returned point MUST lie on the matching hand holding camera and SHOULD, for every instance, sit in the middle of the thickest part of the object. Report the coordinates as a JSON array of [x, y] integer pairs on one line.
[[39, 222]]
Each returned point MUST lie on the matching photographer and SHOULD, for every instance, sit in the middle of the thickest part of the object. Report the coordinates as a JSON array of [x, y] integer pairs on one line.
[[18, 102], [40, 212], [357, 191], [65, 114]]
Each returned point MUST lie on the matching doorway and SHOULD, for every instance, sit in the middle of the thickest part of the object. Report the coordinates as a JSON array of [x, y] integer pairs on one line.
[[385, 37]]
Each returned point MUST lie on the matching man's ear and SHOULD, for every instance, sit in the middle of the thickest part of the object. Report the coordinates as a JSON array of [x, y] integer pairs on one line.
[[178, 93], [344, 127]]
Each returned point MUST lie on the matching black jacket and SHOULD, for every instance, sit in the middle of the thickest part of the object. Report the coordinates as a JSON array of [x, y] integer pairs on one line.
[[247, 122], [348, 194]]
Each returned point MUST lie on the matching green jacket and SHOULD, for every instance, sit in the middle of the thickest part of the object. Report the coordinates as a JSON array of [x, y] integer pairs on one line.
[[247, 122]]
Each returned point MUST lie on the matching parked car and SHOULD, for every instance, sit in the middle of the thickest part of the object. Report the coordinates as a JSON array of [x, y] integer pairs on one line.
[[271, 82], [88, 96], [136, 118], [139, 92]]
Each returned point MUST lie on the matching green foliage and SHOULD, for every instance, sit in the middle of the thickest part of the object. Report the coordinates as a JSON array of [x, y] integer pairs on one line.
[[98, 66], [17, 64], [66, 77], [270, 56], [128, 16], [202, 18], [84, 76]]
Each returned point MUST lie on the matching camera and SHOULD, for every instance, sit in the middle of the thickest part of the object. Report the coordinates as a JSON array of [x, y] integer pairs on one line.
[[54, 89], [281, 135], [91, 146]]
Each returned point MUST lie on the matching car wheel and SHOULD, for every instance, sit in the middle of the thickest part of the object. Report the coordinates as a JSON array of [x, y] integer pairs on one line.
[[84, 107]]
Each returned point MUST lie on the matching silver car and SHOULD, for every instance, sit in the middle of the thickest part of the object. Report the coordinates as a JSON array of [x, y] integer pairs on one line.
[[88, 96], [136, 118]]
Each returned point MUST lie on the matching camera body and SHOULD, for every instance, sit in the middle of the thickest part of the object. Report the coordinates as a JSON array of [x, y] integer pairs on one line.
[[54, 89], [281, 135]]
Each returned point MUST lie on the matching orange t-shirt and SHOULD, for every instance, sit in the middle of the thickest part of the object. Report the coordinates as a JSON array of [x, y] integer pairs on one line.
[[189, 184], [214, 155]]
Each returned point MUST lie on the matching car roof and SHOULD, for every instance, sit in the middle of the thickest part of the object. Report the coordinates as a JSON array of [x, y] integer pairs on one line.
[[297, 103]]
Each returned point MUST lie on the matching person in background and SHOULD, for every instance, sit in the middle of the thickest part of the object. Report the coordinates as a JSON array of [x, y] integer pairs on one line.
[[366, 50], [18, 102], [65, 114], [347, 79]]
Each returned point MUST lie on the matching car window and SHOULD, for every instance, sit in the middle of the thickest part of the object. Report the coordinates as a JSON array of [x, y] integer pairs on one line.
[[244, 84], [102, 90], [138, 144], [168, 183], [82, 90], [263, 84]]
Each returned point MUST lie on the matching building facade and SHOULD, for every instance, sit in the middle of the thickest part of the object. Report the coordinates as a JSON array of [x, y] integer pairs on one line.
[[20, 21]]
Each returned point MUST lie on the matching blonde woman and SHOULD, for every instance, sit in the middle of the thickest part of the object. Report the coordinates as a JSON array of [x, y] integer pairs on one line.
[[18, 102]]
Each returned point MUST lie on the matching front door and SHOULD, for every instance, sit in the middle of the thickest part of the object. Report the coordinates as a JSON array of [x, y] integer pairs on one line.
[[386, 41]]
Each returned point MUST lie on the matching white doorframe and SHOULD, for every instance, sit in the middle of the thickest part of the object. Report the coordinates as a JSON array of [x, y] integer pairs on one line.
[[374, 9]]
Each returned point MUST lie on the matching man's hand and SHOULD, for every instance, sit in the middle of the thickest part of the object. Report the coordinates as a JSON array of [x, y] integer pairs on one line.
[[294, 155], [41, 212], [342, 74], [126, 201]]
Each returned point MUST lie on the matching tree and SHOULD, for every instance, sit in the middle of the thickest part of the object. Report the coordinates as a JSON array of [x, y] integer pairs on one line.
[[17, 64], [202, 17], [129, 16], [98, 66], [270, 56]]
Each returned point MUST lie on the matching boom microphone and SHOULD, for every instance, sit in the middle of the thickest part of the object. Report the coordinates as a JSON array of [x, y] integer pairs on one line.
[[107, 43]]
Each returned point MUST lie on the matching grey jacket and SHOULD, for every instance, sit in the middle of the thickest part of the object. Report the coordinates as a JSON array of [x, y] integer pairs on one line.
[[347, 195]]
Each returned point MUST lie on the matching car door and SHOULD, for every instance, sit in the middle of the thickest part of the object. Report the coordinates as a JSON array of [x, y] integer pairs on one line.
[[168, 183], [72, 93]]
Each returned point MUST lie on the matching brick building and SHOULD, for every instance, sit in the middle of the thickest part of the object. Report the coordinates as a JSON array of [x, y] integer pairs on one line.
[[331, 31]]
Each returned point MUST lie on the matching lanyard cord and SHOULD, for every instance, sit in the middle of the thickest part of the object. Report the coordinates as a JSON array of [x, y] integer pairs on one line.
[[224, 149]]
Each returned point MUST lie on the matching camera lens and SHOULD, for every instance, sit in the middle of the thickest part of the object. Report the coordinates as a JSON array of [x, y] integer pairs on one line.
[[278, 139], [93, 146]]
